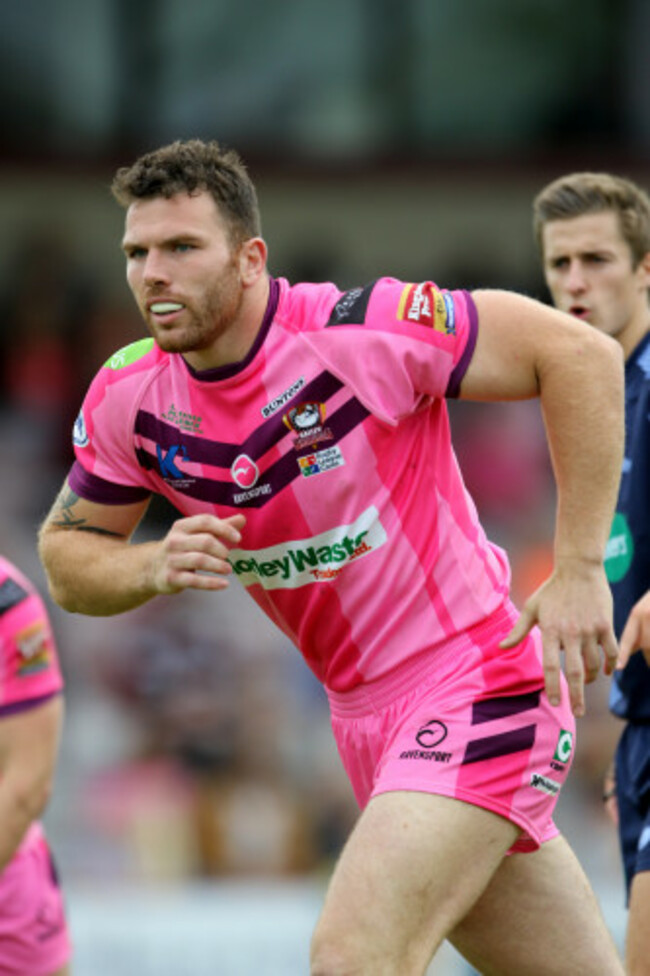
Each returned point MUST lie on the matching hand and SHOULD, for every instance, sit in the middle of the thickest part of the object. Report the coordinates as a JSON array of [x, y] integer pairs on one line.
[[573, 609], [636, 633], [194, 553]]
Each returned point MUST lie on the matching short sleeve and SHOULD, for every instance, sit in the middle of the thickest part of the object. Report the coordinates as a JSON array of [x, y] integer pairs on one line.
[[30, 666], [405, 343]]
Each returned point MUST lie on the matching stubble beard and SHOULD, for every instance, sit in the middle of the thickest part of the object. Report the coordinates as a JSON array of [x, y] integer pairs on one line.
[[205, 323]]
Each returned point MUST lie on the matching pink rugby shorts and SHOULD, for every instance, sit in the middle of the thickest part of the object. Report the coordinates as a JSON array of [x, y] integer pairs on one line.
[[34, 938], [469, 721]]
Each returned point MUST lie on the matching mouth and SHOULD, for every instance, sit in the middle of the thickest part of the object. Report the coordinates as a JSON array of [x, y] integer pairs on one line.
[[579, 312], [164, 310]]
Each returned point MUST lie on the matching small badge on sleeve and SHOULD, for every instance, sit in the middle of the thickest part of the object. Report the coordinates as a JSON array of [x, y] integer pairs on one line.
[[425, 304]]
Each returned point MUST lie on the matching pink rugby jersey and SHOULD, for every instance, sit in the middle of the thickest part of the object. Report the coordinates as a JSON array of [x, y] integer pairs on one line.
[[30, 665], [332, 437]]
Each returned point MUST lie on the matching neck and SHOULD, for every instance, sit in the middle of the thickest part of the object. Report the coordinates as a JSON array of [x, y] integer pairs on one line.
[[633, 333], [236, 341]]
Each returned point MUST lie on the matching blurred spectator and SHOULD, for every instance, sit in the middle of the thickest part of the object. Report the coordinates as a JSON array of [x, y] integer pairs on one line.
[[225, 745]]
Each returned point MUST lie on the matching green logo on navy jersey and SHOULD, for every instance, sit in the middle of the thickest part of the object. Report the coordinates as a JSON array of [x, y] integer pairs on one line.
[[620, 549], [129, 354], [564, 747]]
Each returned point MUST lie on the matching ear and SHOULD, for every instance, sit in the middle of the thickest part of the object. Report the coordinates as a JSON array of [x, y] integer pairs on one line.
[[643, 270], [252, 260]]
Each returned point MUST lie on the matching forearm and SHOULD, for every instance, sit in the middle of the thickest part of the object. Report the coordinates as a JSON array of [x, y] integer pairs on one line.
[[96, 574], [582, 402]]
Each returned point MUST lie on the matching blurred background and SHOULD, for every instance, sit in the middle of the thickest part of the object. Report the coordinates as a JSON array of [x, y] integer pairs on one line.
[[199, 802]]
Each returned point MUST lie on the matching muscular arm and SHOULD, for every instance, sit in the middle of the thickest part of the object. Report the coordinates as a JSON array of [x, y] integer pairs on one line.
[[29, 744], [526, 349], [93, 567]]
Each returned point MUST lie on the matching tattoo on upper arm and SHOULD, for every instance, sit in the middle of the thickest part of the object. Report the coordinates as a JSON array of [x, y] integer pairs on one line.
[[63, 516]]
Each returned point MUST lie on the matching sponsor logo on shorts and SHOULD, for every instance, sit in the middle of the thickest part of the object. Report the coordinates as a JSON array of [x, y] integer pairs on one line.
[[564, 747], [429, 736], [283, 398], [320, 461], [544, 784], [319, 559], [307, 420], [433, 755], [427, 305]]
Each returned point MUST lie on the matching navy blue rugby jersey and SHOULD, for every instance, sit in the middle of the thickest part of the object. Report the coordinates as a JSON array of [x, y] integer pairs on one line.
[[628, 550]]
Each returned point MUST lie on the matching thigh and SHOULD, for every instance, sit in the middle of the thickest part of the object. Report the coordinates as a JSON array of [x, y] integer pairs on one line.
[[538, 917], [412, 867], [637, 948]]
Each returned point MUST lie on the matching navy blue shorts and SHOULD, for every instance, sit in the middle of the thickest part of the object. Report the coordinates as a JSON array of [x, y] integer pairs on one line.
[[633, 798]]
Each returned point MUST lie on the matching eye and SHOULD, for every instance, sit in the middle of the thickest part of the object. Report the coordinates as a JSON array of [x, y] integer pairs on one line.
[[182, 246], [134, 253]]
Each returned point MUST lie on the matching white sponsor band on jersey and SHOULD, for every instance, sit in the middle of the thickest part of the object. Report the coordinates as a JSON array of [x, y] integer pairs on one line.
[[318, 559]]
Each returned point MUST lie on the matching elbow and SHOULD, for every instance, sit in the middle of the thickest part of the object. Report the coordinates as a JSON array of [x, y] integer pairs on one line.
[[609, 349], [606, 359], [62, 597], [51, 559]]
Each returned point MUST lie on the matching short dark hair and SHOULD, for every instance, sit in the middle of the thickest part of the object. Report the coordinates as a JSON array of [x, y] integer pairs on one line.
[[578, 194], [193, 166]]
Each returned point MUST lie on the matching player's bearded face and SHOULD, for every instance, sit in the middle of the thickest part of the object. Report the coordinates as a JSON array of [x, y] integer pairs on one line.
[[184, 270], [207, 314]]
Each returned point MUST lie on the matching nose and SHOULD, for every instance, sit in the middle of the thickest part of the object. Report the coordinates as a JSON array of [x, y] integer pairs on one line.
[[155, 271], [575, 279]]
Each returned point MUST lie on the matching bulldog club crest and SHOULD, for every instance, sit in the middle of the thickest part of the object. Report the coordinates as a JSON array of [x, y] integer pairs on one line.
[[307, 421]]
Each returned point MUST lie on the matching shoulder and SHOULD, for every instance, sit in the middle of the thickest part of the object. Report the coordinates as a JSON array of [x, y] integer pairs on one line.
[[310, 306], [118, 386], [136, 357]]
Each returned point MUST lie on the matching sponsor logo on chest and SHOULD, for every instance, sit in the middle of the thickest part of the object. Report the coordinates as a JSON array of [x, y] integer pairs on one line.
[[321, 558]]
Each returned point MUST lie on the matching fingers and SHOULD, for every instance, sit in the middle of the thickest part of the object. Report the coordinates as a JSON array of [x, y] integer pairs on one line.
[[582, 657], [575, 671], [583, 654], [522, 627], [633, 639], [552, 669], [610, 650], [194, 553]]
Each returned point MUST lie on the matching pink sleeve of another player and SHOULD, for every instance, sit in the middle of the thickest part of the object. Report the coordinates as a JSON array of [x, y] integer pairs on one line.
[[29, 659]]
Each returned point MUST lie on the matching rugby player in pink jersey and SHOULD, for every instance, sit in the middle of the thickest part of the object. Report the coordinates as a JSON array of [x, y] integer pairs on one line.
[[302, 433], [34, 937]]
